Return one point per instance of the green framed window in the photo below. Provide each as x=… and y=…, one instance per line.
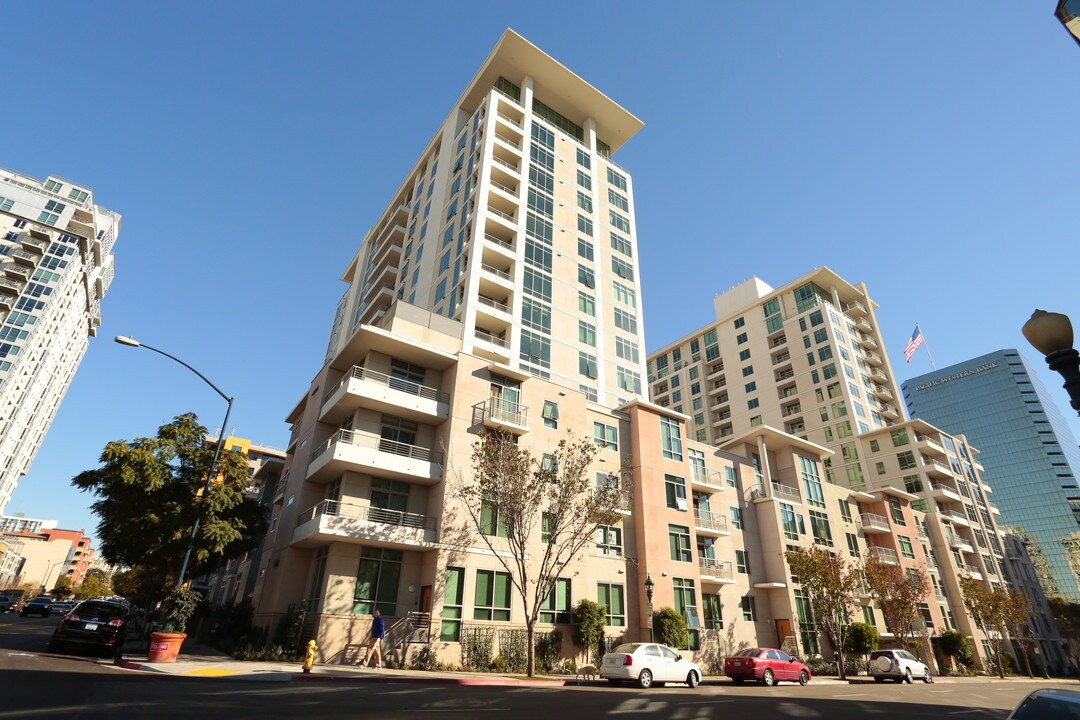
x=377, y=580
x=491, y=600
x=453, y=600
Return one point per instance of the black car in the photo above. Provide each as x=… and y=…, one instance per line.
x=97, y=624
x=38, y=606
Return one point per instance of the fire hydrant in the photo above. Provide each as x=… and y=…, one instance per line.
x=309, y=656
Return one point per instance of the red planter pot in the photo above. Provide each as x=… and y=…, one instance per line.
x=164, y=647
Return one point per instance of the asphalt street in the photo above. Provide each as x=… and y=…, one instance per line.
x=34, y=684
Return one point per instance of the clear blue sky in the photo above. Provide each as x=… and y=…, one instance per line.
x=249, y=146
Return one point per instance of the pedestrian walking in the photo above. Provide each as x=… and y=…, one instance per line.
x=378, y=632
x=601, y=648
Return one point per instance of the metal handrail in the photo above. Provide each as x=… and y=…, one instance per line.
x=885, y=554
x=495, y=271
x=351, y=437
x=707, y=519
x=493, y=303
x=336, y=508
x=503, y=215
x=505, y=188
x=497, y=408
x=873, y=520
x=394, y=383
x=508, y=141
x=510, y=165
x=703, y=475
x=505, y=243
x=488, y=337
x=716, y=568
x=786, y=492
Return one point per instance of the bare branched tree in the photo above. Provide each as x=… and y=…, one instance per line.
x=830, y=585
x=536, y=514
x=898, y=592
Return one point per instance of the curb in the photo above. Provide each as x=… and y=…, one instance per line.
x=405, y=680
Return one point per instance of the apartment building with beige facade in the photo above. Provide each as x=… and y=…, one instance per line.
x=808, y=358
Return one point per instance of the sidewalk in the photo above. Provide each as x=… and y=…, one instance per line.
x=202, y=661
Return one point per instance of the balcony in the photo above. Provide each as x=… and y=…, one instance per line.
x=863, y=324
x=366, y=388
x=710, y=523
x=625, y=502
x=785, y=375
x=956, y=516
x=973, y=571
x=777, y=492
x=708, y=479
x=350, y=450
x=883, y=393
x=871, y=524
x=500, y=244
x=867, y=341
x=946, y=492
x=780, y=358
x=959, y=543
x=500, y=414
x=935, y=468
x=888, y=411
x=927, y=444
x=491, y=346
x=334, y=521
x=792, y=409
x=854, y=309
x=18, y=272
x=878, y=374
x=885, y=555
x=873, y=358
x=713, y=570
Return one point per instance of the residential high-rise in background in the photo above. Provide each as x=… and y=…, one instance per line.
x=21, y=523
x=56, y=264
x=1031, y=457
x=1068, y=12
x=808, y=358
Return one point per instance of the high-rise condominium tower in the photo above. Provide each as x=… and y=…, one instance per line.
x=56, y=263
x=1029, y=452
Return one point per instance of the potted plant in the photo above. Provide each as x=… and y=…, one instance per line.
x=177, y=611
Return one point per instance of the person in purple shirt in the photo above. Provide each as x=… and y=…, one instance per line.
x=378, y=632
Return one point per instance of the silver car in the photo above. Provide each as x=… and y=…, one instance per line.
x=899, y=666
x=648, y=663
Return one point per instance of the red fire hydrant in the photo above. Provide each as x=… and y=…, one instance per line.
x=309, y=656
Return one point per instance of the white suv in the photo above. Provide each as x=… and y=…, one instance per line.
x=899, y=665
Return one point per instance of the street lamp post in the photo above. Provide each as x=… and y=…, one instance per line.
x=1052, y=335
x=45, y=580
x=131, y=342
x=648, y=606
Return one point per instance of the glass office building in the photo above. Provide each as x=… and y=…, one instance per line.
x=1030, y=456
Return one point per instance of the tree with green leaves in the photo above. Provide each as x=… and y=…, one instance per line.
x=1067, y=616
x=536, y=515
x=63, y=587
x=589, y=619
x=897, y=592
x=830, y=585
x=862, y=639
x=670, y=628
x=95, y=584
x=995, y=611
x=149, y=492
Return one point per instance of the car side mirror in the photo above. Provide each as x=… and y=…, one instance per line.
x=791, y=660
x=678, y=658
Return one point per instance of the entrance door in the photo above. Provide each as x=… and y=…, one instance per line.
x=783, y=631
x=425, y=599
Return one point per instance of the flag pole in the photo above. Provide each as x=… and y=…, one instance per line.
x=932, y=365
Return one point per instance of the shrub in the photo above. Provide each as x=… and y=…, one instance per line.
x=957, y=645
x=548, y=649
x=568, y=666
x=425, y=659
x=513, y=647
x=477, y=645
x=669, y=628
x=499, y=664
x=862, y=639
x=179, y=607
x=589, y=619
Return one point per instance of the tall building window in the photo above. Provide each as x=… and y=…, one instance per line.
x=377, y=581
x=606, y=436
x=679, y=543
x=749, y=610
x=556, y=606
x=453, y=599
x=675, y=491
x=491, y=600
x=611, y=596
x=671, y=439
x=811, y=482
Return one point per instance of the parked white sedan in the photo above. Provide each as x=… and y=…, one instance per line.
x=648, y=663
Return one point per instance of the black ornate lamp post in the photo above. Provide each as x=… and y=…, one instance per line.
x=131, y=342
x=648, y=607
x=1052, y=335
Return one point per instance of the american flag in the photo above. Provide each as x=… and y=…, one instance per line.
x=914, y=343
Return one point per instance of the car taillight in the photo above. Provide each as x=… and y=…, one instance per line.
x=628, y=660
x=751, y=662
x=116, y=623
x=76, y=618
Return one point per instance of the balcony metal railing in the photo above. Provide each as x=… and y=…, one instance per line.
x=351, y=437
x=854, y=307
x=793, y=409
x=878, y=522
x=495, y=271
x=509, y=141
x=503, y=410
x=716, y=568
x=507, y=118
x=394, y=383
x=885, y=555
x=337, y=508
x=505, y=188
x=493, y=303
x=699, y=474
x=499, y=241
x=711, y=520
x=489, y=338
x=505, y=163
x=972, y=570
x=785, y=492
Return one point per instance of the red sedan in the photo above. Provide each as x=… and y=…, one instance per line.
x=767, y=665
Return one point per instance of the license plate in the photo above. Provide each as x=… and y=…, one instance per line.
x=737, y=663
x=91, y=626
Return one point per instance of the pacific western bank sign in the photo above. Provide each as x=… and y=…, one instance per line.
x=958, y=376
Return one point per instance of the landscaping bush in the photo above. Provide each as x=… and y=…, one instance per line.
x=589, y=619
x=548, y=649
x=957, y=645
x=513, y=649
x=477, y=645
x=669, y=628
x=862, y=639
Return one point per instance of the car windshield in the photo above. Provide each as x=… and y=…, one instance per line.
x=102, y=610
x=628, y=648
x=1042, y=707
x=880, y=653
x=40, y=601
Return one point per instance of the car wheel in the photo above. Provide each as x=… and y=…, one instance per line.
x=907, y=676
x=879, y=679
x=927, y=677
x=613, y=682
x=692, y=680
x=52, y=647
x=768, y=678
x=736, y=681
x=645, y=679
x=804, y=677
